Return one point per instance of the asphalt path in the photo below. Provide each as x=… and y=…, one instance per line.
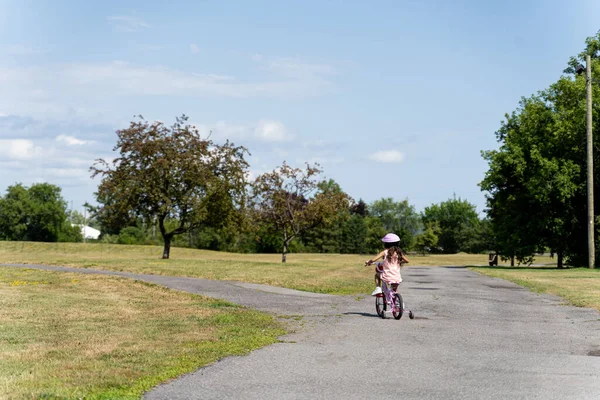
x=473, y=337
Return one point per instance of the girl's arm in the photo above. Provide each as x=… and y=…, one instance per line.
x=372, y=260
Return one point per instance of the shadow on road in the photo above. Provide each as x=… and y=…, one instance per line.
x=362, y=314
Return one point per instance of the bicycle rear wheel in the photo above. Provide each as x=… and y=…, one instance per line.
x=397, y=308
x=380, y=305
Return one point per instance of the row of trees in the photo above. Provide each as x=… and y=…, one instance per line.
x=170, y=186
x=197, y=192
x=39, y=213
x=536, y=181
x=354, y=230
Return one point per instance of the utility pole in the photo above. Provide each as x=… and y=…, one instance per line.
x=84, y=223
x=590, y=162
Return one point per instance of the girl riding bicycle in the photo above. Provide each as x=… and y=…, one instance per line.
x=393, y=259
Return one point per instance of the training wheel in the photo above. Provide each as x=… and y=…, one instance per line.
x=411, y=315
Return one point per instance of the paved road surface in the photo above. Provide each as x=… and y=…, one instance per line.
x=473, y=337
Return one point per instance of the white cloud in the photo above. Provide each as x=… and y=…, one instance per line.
x=221, y=131
x=18, y=149
x=271, y=131
x=55, y=166
x=71, y=140
x=263, y=130
x=76, y=173
x=121, y=78
x=387, y=156
x=32, y=152
x=123, y=23
x=57, y=89
x=43, y=131
x=194, y=49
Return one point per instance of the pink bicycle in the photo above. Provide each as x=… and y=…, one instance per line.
x=392, y=300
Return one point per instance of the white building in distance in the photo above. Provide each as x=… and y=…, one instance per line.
x=88, y=232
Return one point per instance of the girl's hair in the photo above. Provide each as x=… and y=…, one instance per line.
x=393, y=249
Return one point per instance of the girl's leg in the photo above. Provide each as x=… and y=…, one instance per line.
x=388, y=294
x=377, y=285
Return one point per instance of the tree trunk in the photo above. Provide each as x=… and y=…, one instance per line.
x=559, y=263
x=285, y=246
x=284, y=252
x=166, y=236
x=167, y=248
x=512, y=261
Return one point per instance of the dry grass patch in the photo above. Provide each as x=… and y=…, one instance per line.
x=580, y=286
x=324, y=273
x=66, y=335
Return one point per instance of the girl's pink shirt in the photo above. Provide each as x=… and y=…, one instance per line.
x=391, y=269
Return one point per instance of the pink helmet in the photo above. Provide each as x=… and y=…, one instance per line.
x=391, y=238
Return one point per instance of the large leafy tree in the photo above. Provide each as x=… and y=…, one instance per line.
x=532, y=181
x=399, y=217
x=328, y=237
x=536, y=181
x=293, y=201
x=457, y=220
x=37, y=213
x=171, y=174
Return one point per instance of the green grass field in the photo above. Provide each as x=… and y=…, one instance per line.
x=72, y=336
x=578, y=286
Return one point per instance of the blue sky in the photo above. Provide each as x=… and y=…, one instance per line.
x=392, y=98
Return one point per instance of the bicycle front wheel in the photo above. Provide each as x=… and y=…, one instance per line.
x=397, y=309
x=380, y=305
